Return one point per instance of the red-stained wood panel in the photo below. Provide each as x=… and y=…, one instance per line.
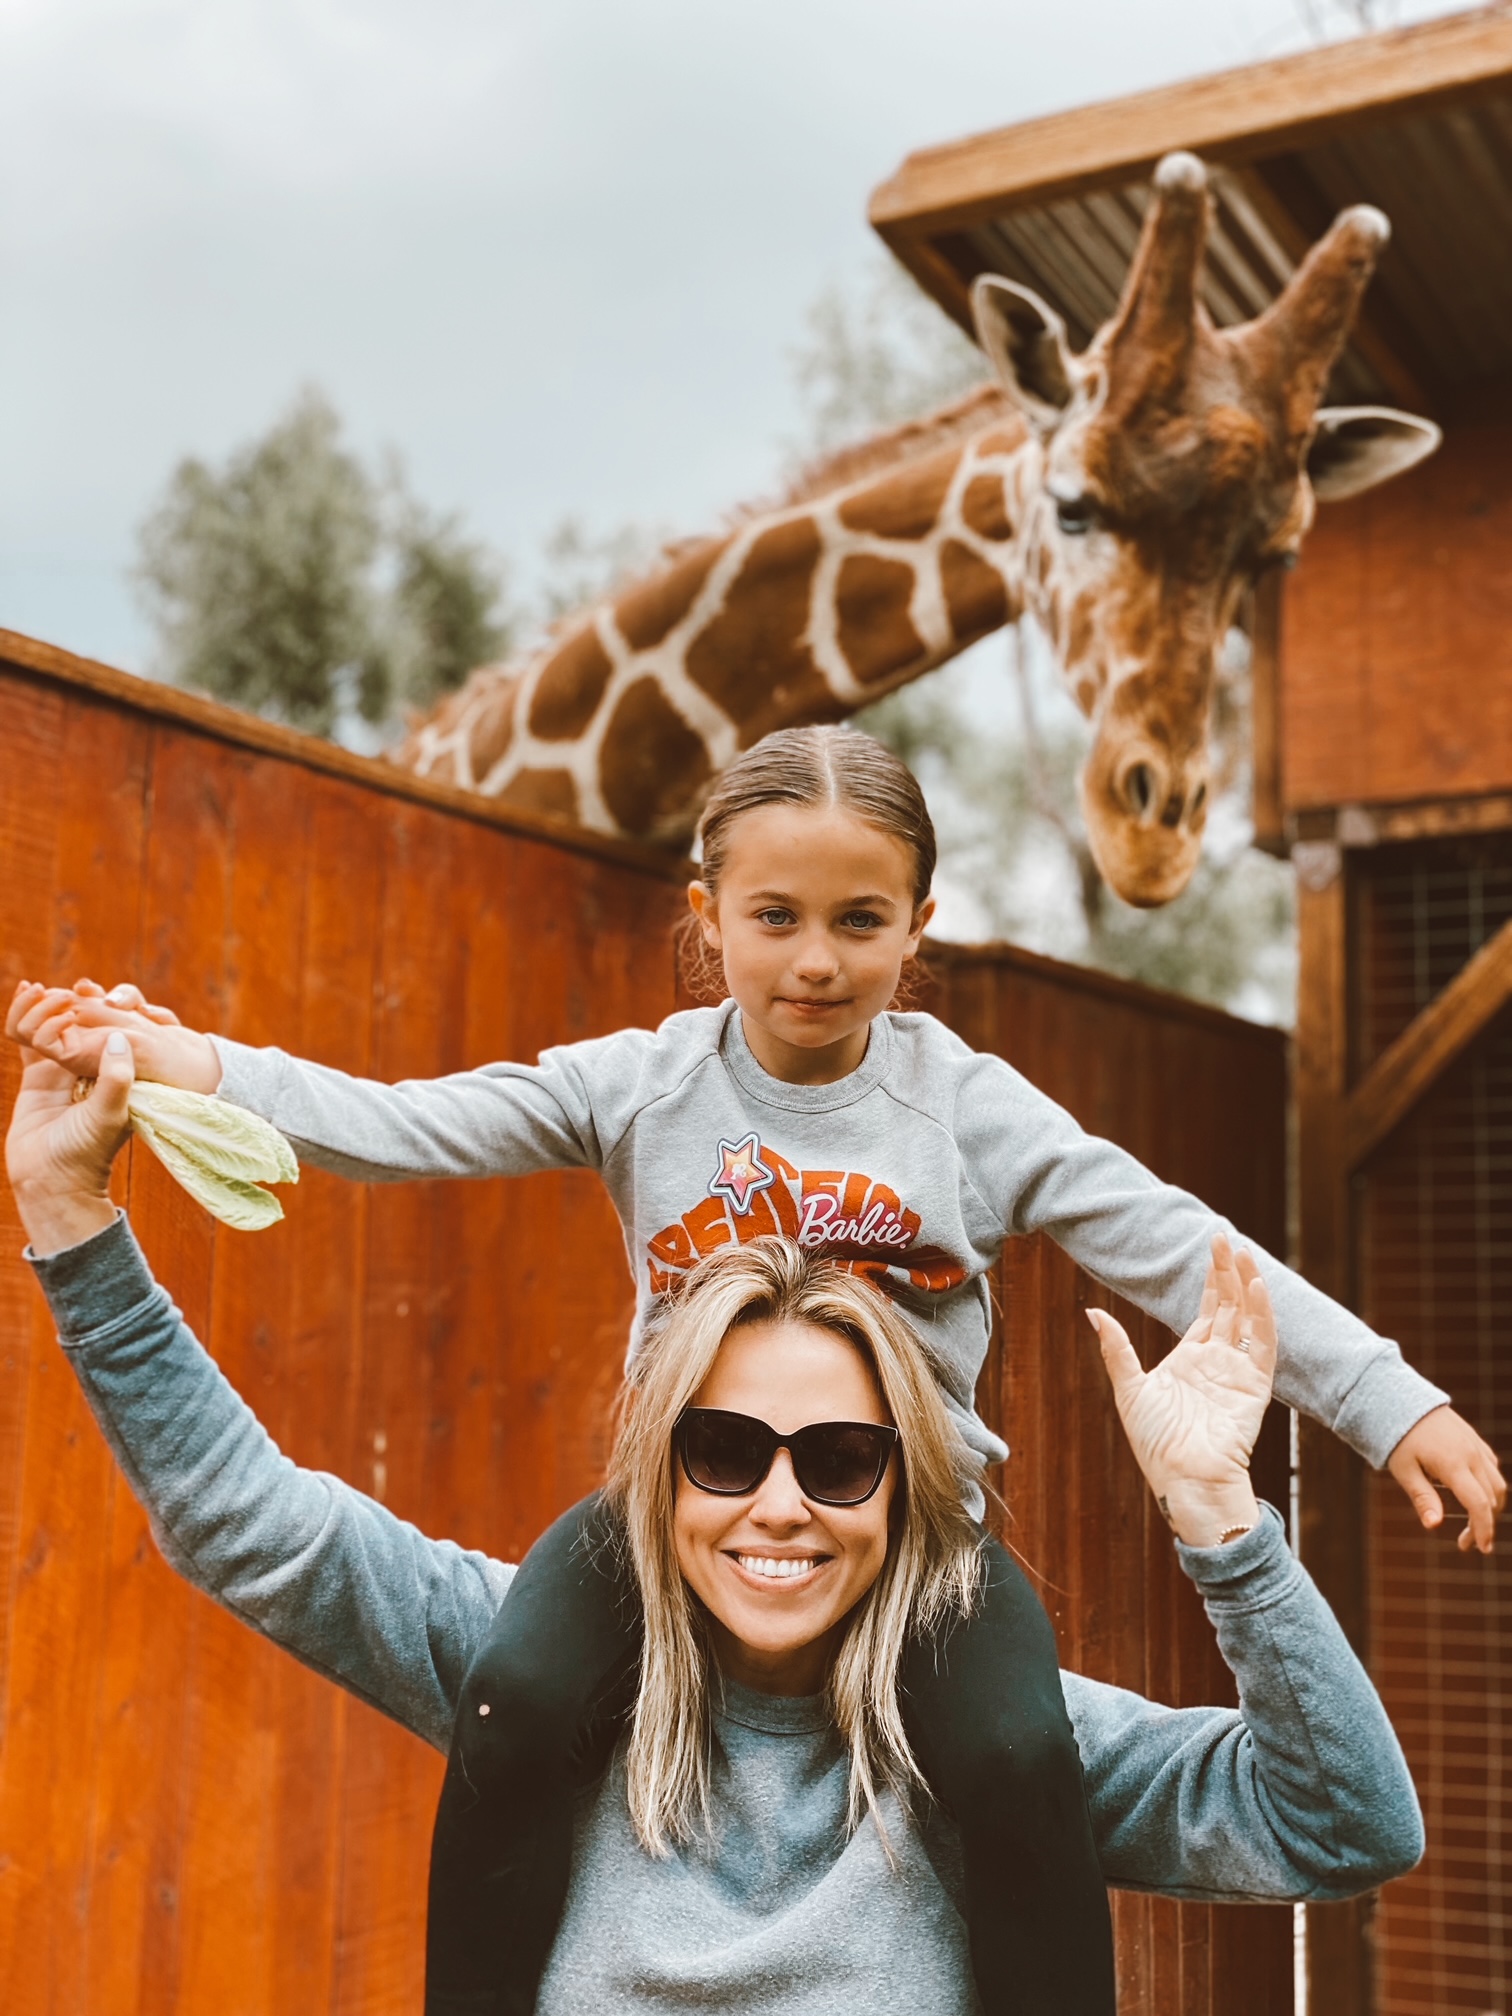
x=1201, y=1100
x=189, y=1822
x=1396, y=647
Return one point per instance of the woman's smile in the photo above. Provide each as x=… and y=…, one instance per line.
x=787, y=1571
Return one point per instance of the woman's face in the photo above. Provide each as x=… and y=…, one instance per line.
x=780, y=1635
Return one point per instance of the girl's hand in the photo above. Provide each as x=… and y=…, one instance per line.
x=1444, y=1449
x=1192, y=1421
x=60, y=1148
x=68, y=1026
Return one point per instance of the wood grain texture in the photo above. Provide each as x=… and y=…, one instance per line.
x=1396, y=653
x=1404, y=1074
x=1235, y=115
x=189, y=1822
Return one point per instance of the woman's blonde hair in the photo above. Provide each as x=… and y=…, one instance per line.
x=932, y=1568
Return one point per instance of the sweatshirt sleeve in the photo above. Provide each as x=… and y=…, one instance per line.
x=307, y=1561
x=502, y=1120
x=1301, y=1792
x=1038, y=1171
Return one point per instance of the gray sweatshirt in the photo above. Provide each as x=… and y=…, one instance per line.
x=914, y=1169
x=1301, y=1792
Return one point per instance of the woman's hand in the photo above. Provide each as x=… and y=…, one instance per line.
x=1193, y=1419
x=60, y=1148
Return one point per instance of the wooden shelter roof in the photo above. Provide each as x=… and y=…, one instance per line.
x=1417, y=121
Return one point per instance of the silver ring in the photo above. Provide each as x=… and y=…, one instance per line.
x=1243, y=1343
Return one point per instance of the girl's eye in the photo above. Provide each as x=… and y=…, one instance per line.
x=776, y=919
x=862, y=920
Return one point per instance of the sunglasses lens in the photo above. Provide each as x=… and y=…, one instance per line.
x=841, y=1462
x=726, y=1452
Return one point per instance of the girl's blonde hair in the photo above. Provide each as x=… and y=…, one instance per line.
x=931, y=1572
x=806, y=766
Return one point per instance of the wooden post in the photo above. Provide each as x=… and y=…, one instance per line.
x=1332, y=1482
x=1265, y=713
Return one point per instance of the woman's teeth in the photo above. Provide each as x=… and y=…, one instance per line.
x=776, y=1570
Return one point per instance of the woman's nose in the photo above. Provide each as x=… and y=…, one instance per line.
x=779, y=1502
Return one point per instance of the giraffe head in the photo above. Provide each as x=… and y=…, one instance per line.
x=1176, y=461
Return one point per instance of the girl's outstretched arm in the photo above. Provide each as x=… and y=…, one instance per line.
x=502, y=1120
x=1039, y=1171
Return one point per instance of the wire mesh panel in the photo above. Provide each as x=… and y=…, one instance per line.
x=1433, y=1217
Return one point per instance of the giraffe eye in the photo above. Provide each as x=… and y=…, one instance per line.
x=1075, y=515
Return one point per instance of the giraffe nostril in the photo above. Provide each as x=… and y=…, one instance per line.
x=1139, y=786
x=1199, y=799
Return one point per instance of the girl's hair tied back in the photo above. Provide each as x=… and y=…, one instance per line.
x=816, y=766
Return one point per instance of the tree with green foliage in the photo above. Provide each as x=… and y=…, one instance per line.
x=294, y=582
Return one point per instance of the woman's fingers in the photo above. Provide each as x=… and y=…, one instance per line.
x=111, y=1092
x=1119, y=1355
x=1257, y=1321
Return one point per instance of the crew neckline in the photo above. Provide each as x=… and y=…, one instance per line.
x=760, y=1083
x=770, y=1714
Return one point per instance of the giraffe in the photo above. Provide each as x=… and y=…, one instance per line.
x=1125, y=497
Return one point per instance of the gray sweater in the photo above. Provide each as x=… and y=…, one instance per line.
x=1302, y=1792
x=915, y=1169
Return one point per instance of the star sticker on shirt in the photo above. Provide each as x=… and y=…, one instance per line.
x=741, y=1173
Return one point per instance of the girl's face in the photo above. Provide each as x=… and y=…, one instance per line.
x=778, y=1631
x=813, y=921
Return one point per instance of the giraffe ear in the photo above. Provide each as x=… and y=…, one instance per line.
x=1025, y=341
x=1356, y=447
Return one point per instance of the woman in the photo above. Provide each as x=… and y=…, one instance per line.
x=785, y=1482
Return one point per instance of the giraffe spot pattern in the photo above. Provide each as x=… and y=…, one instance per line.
x=904, y=504
x=984, y=510
x=654, y=766
x=648, y=611
x=757, y=641
x=570, y=687
x=493, y=727
x=975, y=598
x=550, y=791
x=876, y=633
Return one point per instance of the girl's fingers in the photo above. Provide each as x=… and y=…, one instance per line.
x=1119, y=1355
x=1476, y=1499
x=26, y=993
x=41, y=1007
x=1418, y=1485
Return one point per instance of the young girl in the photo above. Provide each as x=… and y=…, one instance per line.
x=804, y=1105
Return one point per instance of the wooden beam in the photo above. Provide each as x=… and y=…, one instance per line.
x=1332, y=1476
x=1267, y=810
x=1237, y=115
x=1427, y=1047
x=1429, y=819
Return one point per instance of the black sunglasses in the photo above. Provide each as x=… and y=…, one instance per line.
x=835, y=1462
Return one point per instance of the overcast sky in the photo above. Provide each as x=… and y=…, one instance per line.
x=556, y=252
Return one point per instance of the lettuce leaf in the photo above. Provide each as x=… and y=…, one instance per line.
x=220, y=1153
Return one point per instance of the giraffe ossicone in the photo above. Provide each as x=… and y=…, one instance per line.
x=1125, y=496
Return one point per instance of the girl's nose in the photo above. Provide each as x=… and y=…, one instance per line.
x=815, y=958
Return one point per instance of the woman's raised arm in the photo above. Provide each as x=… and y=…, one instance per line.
x=303, y=1558
x=1302, y=1792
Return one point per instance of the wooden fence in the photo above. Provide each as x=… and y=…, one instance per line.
x=192, y=1825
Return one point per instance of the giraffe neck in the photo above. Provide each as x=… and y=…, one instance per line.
x=804, y=613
